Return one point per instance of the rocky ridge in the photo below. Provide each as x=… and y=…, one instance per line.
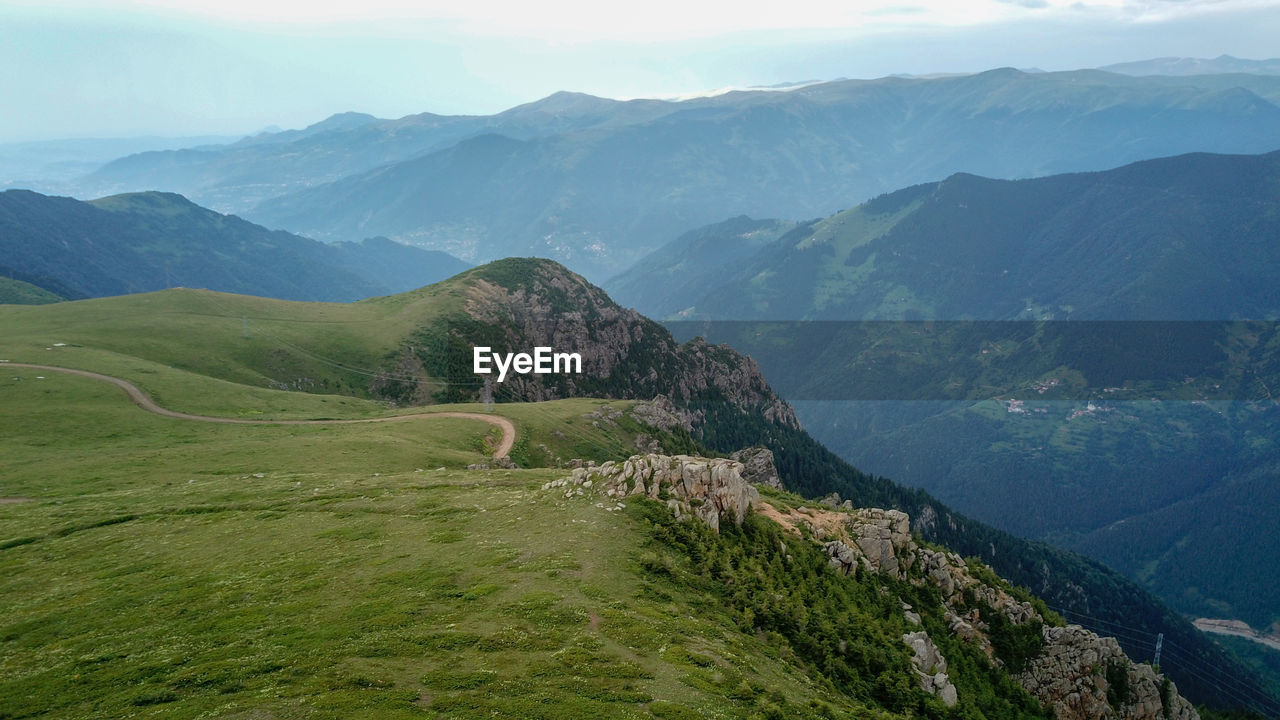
x=516, y=304
x=1078, y=674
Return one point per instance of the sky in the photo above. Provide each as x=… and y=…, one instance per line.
x=120, y=68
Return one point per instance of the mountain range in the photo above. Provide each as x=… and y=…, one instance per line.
x=597, y=183
x=1124, y=433
x=1181, y=238
x=966, y=289
x=1181, y=66
x=149, y=241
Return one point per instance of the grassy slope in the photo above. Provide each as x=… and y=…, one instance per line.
x=18, y=292
x=150, y=570
x=152, y=339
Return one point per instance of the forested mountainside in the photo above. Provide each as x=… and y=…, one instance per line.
x=149, y=241
x=1094, y=382
x=1190, y=237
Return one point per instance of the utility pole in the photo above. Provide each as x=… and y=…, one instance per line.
x=486, y=395
x=1159, y=644
x=244, y=327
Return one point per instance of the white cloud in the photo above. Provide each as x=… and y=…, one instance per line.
x=653, y=20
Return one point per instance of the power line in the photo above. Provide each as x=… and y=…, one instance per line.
x=1181, y=657
x=1265, y=707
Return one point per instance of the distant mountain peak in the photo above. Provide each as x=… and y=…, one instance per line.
x=1184, y=66
x=563, y=101
x=148, y=201
x=341, y=121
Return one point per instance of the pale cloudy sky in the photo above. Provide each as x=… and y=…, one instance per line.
x=130, y=67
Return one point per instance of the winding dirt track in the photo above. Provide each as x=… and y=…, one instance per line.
x=142, y=400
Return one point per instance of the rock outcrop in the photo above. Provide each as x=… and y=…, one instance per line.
x=1076, y=673
x=710, y=489
x=930, y=667
x=517, y=304
x=663, y=414
x=758, y=467
x=1081, y=675
x=879, y=539
x=1069, y=675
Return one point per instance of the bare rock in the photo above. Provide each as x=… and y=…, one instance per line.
x=1072, y=674
x=710, y=489
x=758, y=467
x=648, y=444
x=930, y=667
x=661, y=413
x=884, y=538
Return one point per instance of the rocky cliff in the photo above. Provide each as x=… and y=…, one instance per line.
x=1072, y=671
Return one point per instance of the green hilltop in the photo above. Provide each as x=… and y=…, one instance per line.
x=17, y=292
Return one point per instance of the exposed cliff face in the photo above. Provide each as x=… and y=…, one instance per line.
x=930, y=667
x=1073, y=671
x=515, y=305
x=1085, y=676
x=758, y=467
x=1077, y=673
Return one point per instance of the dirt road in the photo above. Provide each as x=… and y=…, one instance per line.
x=1238, y=629
x=142, y=400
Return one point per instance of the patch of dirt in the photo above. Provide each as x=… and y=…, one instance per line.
x=777, y=516
x=824, y=523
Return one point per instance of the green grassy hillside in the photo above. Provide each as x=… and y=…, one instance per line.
x=174, y=568
x=271, y=344
x=166, y=568
x=241, y=357
x=1176, y=238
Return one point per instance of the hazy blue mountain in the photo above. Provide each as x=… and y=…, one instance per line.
x=1048, y=430
x=598, y=198
x=1192, y=237
x=338, y=122
x=677, y=275
x=54, y=165
x=235, y=177
x=1180, y=66
x=149, y=241
x=597, y=183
